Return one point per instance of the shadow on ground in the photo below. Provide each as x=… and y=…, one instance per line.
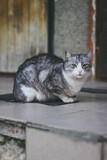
x=10, y=98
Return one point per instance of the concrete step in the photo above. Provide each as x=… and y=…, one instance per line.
x=75, y=131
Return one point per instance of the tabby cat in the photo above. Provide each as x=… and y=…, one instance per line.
x=47, y=77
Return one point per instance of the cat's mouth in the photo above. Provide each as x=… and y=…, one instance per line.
x=79, y=76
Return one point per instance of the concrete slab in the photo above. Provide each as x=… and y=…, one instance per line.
x=86, y=119
x=51, y=146
x=96, y=84
x=105, y=151
x=6, y=85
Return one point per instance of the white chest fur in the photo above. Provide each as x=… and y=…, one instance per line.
x=74, y=84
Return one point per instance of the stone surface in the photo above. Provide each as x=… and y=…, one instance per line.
x=11, y=151
x=105, y=151
x=13, y=130
x=95, y=85
x=71, y=26
x=6, y=85
x=84, y=122
x=88, y=116
x=1, y=138
x=46, y=145
x=91, y=110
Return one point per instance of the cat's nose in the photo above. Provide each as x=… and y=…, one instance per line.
x=80, y=71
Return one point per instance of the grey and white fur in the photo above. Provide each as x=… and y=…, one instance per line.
x=46, y=77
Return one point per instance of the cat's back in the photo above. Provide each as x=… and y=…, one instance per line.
x=41, y=62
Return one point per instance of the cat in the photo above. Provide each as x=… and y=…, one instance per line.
x=46, y=77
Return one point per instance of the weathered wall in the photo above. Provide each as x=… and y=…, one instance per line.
x=71, y=26
x=23, y=31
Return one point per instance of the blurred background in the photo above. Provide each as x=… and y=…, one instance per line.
x=31, y=27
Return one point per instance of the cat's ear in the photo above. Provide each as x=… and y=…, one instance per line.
x=67, y=55
x=89, y=54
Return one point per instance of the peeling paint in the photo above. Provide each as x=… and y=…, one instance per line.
x=94, y=37
x=92, y=33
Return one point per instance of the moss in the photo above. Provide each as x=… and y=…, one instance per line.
x=19, y=143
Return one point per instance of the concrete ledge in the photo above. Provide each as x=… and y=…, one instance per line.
x=86, y=120
x=52, y=146
x=59, y=132
x=75, y=135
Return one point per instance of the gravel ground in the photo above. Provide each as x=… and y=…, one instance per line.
x=11, y=150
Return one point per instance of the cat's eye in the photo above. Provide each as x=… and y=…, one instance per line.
x=85, y=66
x=74, y=65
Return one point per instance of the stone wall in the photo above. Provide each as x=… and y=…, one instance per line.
x=12, y=149
x=71, y=26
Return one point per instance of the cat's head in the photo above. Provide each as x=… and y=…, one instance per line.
x=78, y=65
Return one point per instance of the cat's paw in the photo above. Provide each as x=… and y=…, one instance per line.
x=68, y=100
